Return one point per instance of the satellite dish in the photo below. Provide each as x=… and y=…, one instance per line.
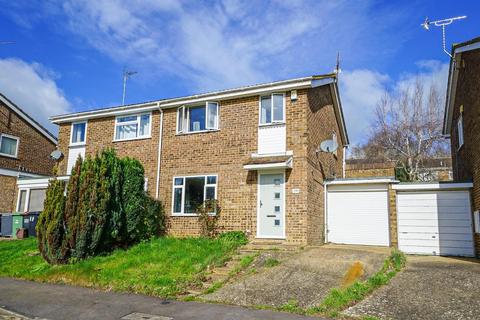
x=56, y=155
x=329, y=146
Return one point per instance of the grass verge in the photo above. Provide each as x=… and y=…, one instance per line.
x=161, y=267
x=339, y=299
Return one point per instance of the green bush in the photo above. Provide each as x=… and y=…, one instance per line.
x=50, y=230
x=208, y=216
x=234, y=236
x=106, y=207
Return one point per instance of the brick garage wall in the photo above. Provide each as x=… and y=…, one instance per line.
x=34, y=148
x=392, y=212
x=7, y=193
x=363, y=168
x=320, y=166
x=466, y=160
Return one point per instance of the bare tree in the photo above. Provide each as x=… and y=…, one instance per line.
x=408, y=129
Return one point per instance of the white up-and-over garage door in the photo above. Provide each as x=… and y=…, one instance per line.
x=358, y=214
x=434, y=222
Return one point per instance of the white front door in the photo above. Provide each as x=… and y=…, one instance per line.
x=271, y=205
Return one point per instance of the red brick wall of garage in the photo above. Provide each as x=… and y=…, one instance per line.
x=466, y=160
x=34, y=148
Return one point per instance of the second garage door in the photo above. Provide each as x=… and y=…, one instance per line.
x=435, y=223
x=358, y=214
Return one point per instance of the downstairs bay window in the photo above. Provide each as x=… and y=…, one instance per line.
x=197, y=118
x=190, y=192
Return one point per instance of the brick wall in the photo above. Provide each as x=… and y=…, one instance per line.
x=392, y=212
x=466, y=160
x=320, y=166
x=7, y=193
x=223, y=152
x=100, y=134
x=33, y=149
x=363, y=168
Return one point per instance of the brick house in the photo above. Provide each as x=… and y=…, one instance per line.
x=462, y=118
x=254, y=148
x=25, y=147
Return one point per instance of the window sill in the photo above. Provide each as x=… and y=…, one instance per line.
x=132, y=139
x=8, y=155
x=274, y=124
x=194, y=132
x=193, y=215
x=83, y=144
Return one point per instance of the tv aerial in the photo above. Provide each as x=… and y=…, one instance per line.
x=441, y=23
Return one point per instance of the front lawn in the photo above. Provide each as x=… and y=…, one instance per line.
x=162, y=267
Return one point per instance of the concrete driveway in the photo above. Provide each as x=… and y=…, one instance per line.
x=429, y=288
x=305, y=277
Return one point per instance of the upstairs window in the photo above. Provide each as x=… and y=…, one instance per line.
x=272, y=108
x=8, y=145
x=197, y=118
x=460, y=131
x=79, y=132
x=190, y=192
x=132, y=127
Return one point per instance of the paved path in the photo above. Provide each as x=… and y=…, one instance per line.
x=53, y=302
x=430, y=288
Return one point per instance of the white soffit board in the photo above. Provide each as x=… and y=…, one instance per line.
x=435, y=223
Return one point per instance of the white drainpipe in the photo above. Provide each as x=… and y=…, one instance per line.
x=157, y=190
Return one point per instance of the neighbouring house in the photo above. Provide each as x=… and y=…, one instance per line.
x=462, y=118
x=25, y=147
x=433, y=169
x=254, y=148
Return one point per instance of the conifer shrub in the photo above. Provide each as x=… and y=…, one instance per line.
x=50, y=226
x=105, y=207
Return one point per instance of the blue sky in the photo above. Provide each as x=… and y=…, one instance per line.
x=69, y=55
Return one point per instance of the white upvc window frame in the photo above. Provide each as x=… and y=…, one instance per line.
x=137, y=122
x=16, y=148
x=71, y=134
x=460, y=137
x=272, y=121
x=182, y=187
x=183, y=118
x=27, y=197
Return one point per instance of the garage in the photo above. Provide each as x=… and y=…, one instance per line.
x=357, y=212
x=435, y=219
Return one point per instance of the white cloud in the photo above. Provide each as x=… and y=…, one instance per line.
x=361, y=90
x=32, y=87
x=230, y=43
